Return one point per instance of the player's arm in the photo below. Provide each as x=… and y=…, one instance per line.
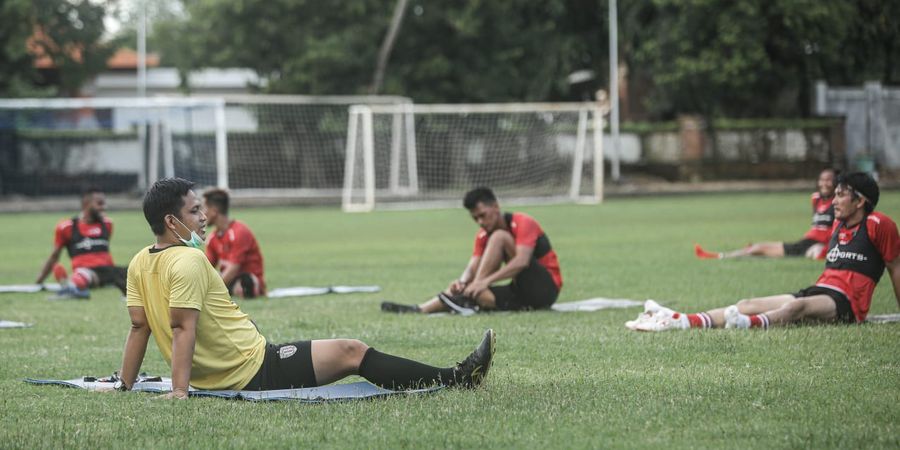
x=135, y=346
x=509, y=270
x=48, y=265
x=467, y=275
x=184, y=335
x=893, y=268
x=230, y=271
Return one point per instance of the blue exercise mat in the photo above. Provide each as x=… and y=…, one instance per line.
x=331, y=393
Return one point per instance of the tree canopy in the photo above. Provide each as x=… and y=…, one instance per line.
x=714, y=57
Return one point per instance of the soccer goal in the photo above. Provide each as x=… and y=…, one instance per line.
x=417, y=156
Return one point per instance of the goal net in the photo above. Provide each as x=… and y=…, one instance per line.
x=59, y=146
x=255, y=145
x=414, y=156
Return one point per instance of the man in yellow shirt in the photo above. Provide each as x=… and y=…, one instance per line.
x=175, y=294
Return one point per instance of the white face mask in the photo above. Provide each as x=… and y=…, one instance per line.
x=195, y=241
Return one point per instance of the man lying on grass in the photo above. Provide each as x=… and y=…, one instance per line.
x=515, y=239
x=176, y=294
x=863, y=243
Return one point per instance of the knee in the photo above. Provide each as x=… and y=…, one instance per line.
x=743, y=304
x=500, y=237
x=352, y=349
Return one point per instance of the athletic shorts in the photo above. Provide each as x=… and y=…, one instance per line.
x=532, y=288
x=285, y=366
x=115, y=275
x=798, y=248
x=844, y=311
x=250, y=284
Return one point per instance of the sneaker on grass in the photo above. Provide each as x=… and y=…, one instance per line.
x=734, y=318
x=459, y=304
x=399, y=308
x=471, y=371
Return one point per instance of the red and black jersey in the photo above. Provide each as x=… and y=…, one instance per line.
x=527, y=233
x=236, y=245
x=822, y=219
x=86, y=243
x=856, y=259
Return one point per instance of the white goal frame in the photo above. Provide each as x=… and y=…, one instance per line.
x=361, y=144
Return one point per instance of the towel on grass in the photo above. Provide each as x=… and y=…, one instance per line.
x=303, y=291
x=28, y=288
x=11, y=324
x=331, y=393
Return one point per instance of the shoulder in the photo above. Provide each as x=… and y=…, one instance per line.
x=519, y=219
x=186, y=259
x=241, y=228
x=64, y=224
x=880, y=224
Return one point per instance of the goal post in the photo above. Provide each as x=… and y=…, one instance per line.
x=413, y=156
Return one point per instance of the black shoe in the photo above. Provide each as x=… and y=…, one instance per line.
x=459, y=304
x=399, y=308
x=471, y=372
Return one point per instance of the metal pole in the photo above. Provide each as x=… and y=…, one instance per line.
x=142, y=51
x=614, y=87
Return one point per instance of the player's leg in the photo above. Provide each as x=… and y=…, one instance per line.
x=246, y=285
x=766, y=249
x=815, y=308
x=658, y=318
x=334, y=359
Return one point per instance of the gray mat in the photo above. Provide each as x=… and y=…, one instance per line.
x=28, y=288
x=595, y=304
x=11, y=324
x=304, y=291
x=331, y=393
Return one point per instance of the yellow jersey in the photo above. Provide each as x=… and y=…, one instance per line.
x=229, y=350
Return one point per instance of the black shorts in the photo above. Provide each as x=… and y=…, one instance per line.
x=285, y=366
x=532, y=288
x=115, y=275
x=798, y=248
x=841, y=303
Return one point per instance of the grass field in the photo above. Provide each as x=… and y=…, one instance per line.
x=575, y=380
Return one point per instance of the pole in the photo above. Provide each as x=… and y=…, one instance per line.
x=614, y=88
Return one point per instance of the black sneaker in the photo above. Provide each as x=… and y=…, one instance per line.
x=459, y=304
x=399, y=308
x=471, y=372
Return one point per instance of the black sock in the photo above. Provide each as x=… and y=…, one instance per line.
x=394, y=372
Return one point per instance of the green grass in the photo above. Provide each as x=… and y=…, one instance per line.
x=571, y=380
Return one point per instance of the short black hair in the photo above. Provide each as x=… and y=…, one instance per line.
x=218, y=198
x=164, y=198
x=91, y=190
x=861, y=183
x=834, y=171
x=479, y=195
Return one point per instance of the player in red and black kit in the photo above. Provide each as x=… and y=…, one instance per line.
x=86, y=238
x=815, y=240
x=515, y=239
x=863, y=243
x=232, y=249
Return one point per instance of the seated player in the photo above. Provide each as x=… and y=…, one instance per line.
x=515, y=239
x=86, y=238
x=233, y=249
x=863, y=243
x=175, y=294
x=813, y=243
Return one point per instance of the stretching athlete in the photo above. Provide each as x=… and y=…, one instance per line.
x=515, y=239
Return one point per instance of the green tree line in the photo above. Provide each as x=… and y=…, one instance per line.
x=750, y=58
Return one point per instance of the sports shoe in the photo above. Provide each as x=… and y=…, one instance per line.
x=471, y=372
x=71, y=292
x=663, y=319
x=399, y=308
x=703, y=254
x=734, y=318
x=459, y=304
x=650, y=309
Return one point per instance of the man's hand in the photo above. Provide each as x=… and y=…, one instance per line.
x=177, y=393
x=457, y=287
x=475, y=288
